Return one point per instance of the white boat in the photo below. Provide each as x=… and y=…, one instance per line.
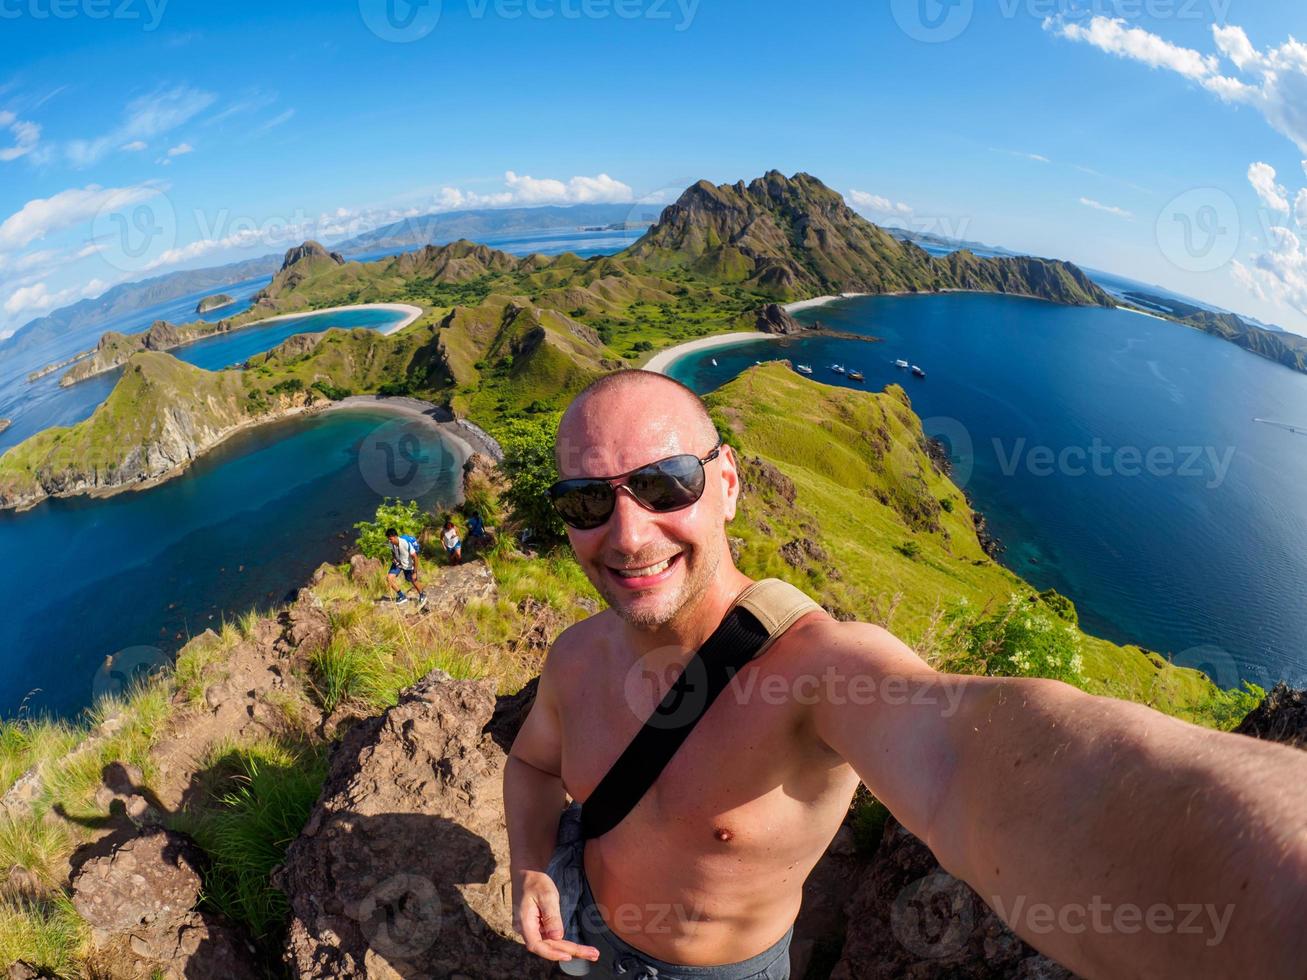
x=714, y=362
x=855, y=375
x=918, y=372
x=901, y=364
x=837, y=368
x=803, y=368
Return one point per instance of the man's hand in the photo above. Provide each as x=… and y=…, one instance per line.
x=537, y=919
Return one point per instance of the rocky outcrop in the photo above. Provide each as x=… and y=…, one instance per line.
x=139, y=902
x=774, y=318
x=1281, y=717
x=161, y=336
x=210, y=303
x=402, y=869
x=794, y=237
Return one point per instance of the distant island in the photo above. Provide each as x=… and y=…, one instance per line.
x=511, y=334
x=210, y=303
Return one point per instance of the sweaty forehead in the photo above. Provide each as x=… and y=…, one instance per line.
x=612, y=431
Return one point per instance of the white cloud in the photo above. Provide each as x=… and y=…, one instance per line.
x=875, y=202
x=526, y=190
x=181, y=149
x=1274, y=82
x=1089, y=202
x=26, y=136
x=135, y=146
x=37, y=298
x=1262, y=177
x=43, y=216
x=275, y=121
x=144, y=118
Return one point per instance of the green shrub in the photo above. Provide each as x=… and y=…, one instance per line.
x=331, y=391
x=1063, y=607
x=406, y=518
x=529, y=463
x=1023, y=639
x=946, y=503
x=909, y=549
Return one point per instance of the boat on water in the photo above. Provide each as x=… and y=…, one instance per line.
x=855, y=375
x=714, y=362
x=918, y=372
x=803, y=368
x=900, y=363
x=837, y=368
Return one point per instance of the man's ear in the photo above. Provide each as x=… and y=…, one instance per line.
x=730, y=483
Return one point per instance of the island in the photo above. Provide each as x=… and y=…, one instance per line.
x=210, y=303
x=512, y=334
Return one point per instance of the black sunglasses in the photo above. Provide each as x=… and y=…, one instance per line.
x=669, y=484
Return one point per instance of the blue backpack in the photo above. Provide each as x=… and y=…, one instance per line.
x=413, y=543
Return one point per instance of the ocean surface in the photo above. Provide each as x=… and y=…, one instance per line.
x=1116, y=455
x=143, y=571
x=133, y=576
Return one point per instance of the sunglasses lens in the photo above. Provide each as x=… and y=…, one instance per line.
x=584, y=504
x=669, y=484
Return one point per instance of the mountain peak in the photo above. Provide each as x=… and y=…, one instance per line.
x=309, y=250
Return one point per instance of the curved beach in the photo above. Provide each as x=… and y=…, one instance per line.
x=412, y=313
x=661, y=361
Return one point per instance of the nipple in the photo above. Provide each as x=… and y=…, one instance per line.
x=724, y=835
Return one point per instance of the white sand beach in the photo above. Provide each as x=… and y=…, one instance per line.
x=1128, y=309
x=661, y=361
x=413, y=313
x=805, y=304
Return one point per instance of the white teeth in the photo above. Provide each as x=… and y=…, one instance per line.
x=642, y=572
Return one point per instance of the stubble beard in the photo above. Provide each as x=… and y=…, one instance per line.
x=698, y=577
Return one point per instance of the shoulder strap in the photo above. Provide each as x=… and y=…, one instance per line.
x=759, y=615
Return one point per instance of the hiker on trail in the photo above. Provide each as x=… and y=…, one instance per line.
x=453, y=546
x=1073, y=816
x=476, y=527
x=404, y=553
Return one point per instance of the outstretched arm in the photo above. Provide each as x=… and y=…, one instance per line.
x=1117, y=840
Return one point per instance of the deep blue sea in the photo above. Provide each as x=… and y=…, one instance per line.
x=1114, y=454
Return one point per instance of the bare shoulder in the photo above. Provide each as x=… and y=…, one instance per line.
x=574, y=648
x=819, y=639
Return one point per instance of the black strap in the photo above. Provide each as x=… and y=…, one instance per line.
x=732, y=645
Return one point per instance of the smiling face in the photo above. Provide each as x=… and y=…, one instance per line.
x=650, y=567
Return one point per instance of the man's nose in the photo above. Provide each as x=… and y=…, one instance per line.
x=630, y=526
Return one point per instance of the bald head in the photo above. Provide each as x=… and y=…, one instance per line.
x=629, y=418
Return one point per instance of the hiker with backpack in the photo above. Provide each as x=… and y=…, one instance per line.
x=404, y=551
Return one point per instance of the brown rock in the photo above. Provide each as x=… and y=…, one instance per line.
x=150, y=879
x=757, y=476
x=774, y=319
x=1281, y=717
x=362, y=569
x=402, y=869
x=197, y=946
x=910, y=918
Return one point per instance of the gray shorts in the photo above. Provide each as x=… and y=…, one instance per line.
x=620, y=959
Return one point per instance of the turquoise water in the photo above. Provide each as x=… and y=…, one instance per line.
x=1051, y=413
x=43, y=403
x=84, y=578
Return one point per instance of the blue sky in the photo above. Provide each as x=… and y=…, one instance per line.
x=1136, y=136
